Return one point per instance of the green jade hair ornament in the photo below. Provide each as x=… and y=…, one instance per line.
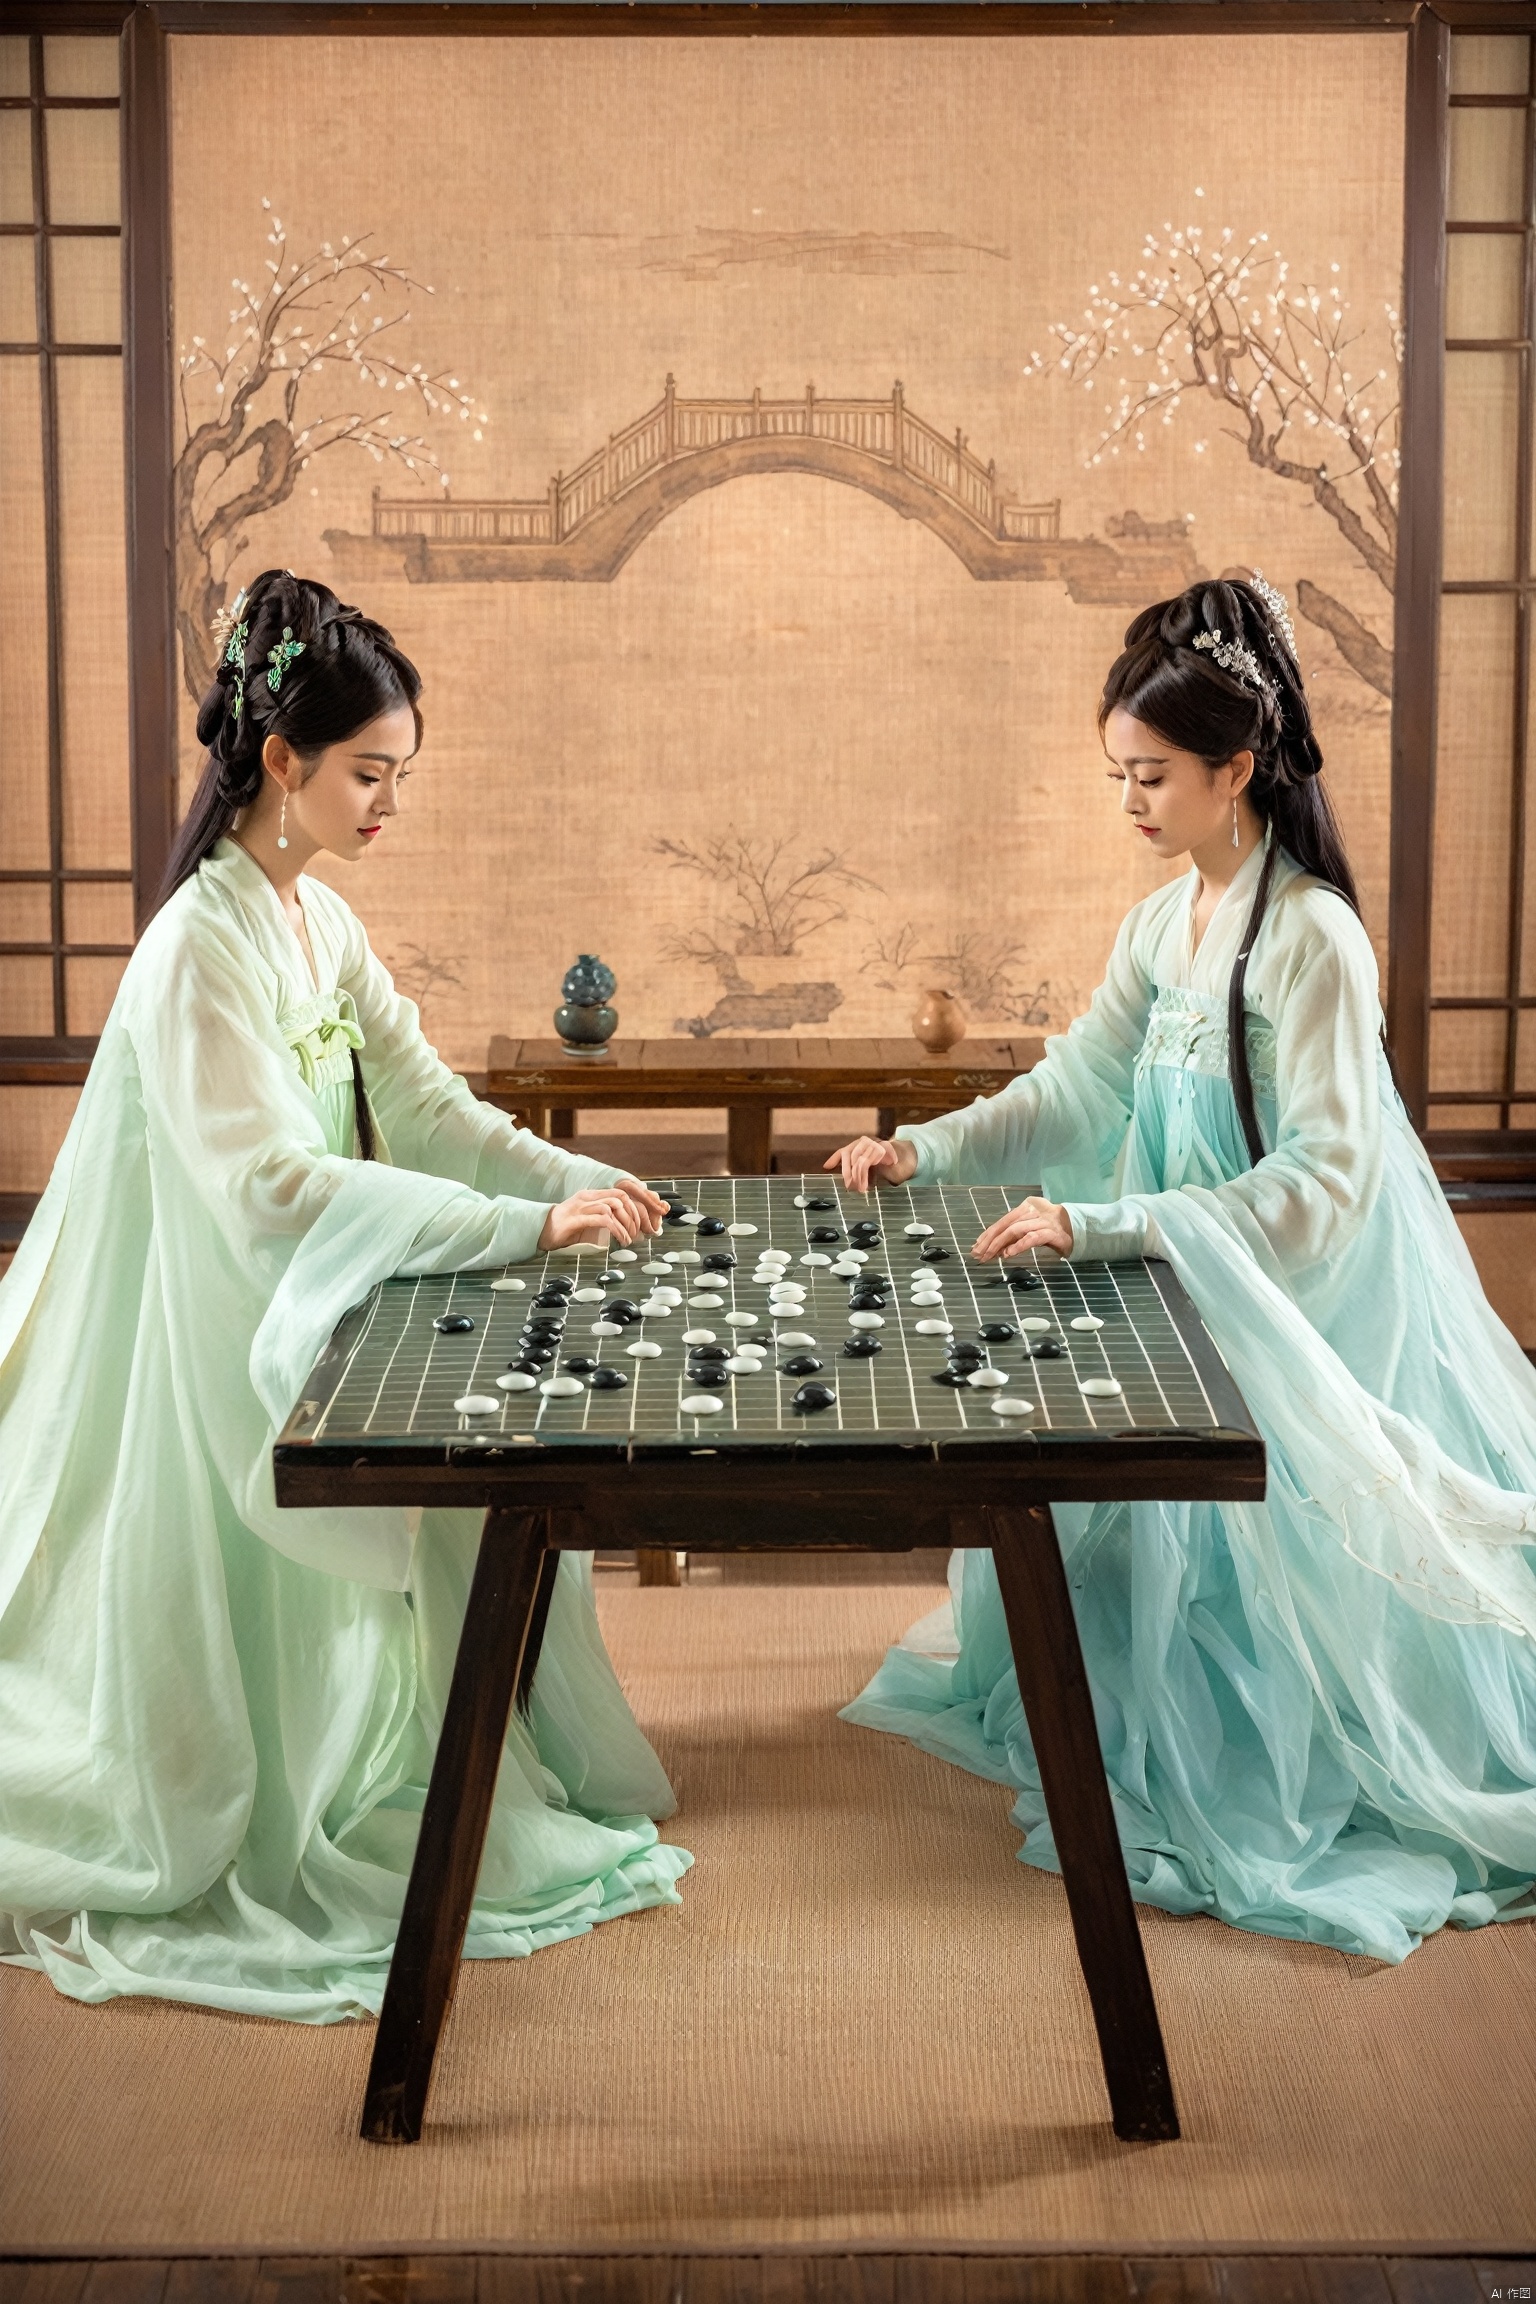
x=584, y=1020
x=282, y=656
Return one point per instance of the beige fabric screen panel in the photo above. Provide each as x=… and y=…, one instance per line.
x=776, y=686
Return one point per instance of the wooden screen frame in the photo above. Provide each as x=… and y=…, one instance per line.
x=149, y=360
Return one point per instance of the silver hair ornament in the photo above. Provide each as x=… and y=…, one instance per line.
x=1280, y=611
x=1234, y=657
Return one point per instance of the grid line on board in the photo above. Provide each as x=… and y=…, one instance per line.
x=401, y=1375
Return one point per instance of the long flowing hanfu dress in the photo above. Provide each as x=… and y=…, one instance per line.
x=1318, y=1715
x=217, y=1718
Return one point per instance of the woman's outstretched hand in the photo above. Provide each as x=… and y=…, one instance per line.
x=874, y=1160
x=1033, y=1224
x=623, y=1210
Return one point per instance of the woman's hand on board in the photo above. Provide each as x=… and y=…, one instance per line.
x=875, y=1160
x=623, y=1211
x=1033, y=1224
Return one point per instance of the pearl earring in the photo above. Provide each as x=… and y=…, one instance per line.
x=1235, y=841
x=282, y=824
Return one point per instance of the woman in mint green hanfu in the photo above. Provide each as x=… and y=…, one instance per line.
x=217, y=1718
x=1318, y=1715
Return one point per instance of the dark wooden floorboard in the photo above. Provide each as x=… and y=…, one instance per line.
x=827, y=2277
x=1261, y=2280
x=1172, y=2280
x=1348, y=2280
x=1512, y=2281
x=1432, y=2280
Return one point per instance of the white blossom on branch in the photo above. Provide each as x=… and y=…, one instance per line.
x=312, y=357
x=1224, y=321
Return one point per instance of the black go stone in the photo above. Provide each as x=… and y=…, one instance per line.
x=868, y=1300
x=610, y=1279
x=953, y=1377
x=700, y=1355
x=453, y=1323
x=1044, y=1348
x=932, y=1253
x=820, y=1204
x=862, y=1347
x=864, y=1234
x=1025, y=1280
x=965, y=1356
x=823, y=1233
x=999, y=1332
x=607, y=1379
x=710, y=1377
x=582, y=1364
x=720, y=1261
x=621, y=1312
x=802, y=1364
x=550, y=1296
x=811, y=1398
x=531, y=1363
x=711, y=1228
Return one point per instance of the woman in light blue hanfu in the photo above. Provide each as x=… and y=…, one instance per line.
x=1318, y=1715
x=217, y=1718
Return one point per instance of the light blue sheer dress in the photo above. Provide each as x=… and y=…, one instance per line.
x=1318, y=1715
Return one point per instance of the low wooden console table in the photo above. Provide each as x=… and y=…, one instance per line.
x=751, y=1078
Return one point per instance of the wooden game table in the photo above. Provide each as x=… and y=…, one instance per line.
x=898, y=1461
x=540, y=1081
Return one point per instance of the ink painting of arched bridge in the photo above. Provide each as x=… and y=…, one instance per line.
x=589, y=522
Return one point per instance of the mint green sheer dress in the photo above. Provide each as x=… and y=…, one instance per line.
x=217, y=1718
x=1318, y=1715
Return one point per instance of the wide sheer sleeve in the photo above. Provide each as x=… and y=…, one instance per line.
x=429, y=1118
x=1061, y=1125
x=1309, y=1195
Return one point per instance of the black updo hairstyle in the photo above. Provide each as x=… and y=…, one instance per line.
x=1198, y=705
x=349, y=671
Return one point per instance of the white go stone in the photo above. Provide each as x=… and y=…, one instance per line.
x=853, y=1256
x=511, y=1286
x=684, y=1256
x=706, y=1301
x=934, y=1328
x=623, y=1256
x=586, y=1295
x=518, y=1380
x=866, y=1320
x=795, y=1336
x=607, y=1328
x=1100, y=1387
x=787, y=1292
x=480, y=1404
x=741, y=1319
x=749, y=1364
x=1088, y=1321
x=691, y=1216
x=658, y=1269
x=696, y=1336
x=750, y=1348
x=667, y=1295
x=1004, y=1404
x=918, y=1231
x=651, y=1310
x=1035, y=1326
x=741, y=1231
x=773, y=1255
x=701, y=1404
x=640, y=1351
x=559, y=1387
x=845, y=1271
x=812, y=1256
x=988, y=1379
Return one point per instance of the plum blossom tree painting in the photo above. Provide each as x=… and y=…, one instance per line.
x=301, y=349
x=1310, y=394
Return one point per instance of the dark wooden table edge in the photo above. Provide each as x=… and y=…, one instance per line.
x=1118, y=2250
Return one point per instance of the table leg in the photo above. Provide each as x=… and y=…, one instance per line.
x=422, y=1974
x=657, y=1567
x=1059, y=1708
x=549, y=1569
x=749, y=1138
x=562, y=1121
